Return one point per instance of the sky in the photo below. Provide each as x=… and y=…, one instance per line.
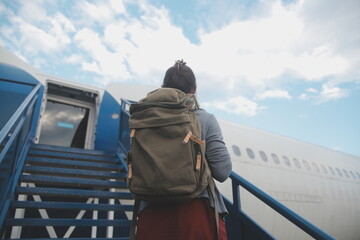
x=289, y=67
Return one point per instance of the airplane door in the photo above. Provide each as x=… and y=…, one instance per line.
x=68, y=118
x=64, y=125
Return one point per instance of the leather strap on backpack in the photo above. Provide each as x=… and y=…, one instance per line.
x=134, y=220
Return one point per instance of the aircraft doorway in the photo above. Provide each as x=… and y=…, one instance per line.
x=64, y=125
x=68, y=118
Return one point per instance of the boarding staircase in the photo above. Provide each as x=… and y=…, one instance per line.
x=68, y=192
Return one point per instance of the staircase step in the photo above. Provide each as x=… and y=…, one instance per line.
x=69, y=181
x=72, y=205
x=77, y=156
x=71, y=150
x=122, y=238
x=78, y=193
x=73, y=172
x=72, y=163
x=66, y=222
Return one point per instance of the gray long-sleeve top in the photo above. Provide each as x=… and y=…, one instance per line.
x=216, y=154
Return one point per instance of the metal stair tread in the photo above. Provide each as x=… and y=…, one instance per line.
x=65, y=222
x=71, y=172
x=64, y=162
x=72, y=205
x=121, y=238
x=77, y=156
x=72, y=181
x=71, y=150
x=79, y=193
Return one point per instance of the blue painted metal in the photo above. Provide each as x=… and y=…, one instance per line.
x=17, y=75
x=107, y=129
x=72, y=163
x=63, y=155
x=77, y=193
x=11, y=96
x=71, y=181
x=15, y=138
x=72, y=150
x=96, y=167
x=66, y=222
x=302, y=223
x=124, y=134
x=71, y=205
x=122, y=160
x=240, y=226
x=115, y=238
x=15, y=85
x=74, y=172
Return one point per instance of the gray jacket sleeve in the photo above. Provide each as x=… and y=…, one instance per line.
x=216, y=152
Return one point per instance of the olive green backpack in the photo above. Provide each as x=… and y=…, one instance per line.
x=167, y=157
x=166, y=162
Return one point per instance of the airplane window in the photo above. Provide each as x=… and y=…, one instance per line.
x=275, y=158
x=324, y=169
x=306, y=164
x=297, y=163
x=286, y=160
x=236, y=150
x=339, y=172
x=250, y=153
x=352, y=174
x=315, y=167
x=263, y=156
x=332, y=170
x=346, y=173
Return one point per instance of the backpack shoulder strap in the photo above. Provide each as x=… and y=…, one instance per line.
x=134, y=220
x=216, y=207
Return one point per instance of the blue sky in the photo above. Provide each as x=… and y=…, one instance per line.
x=287, y=67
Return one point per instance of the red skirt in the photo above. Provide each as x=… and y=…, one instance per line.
x=192, y=220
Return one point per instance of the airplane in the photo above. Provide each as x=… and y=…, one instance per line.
x=320, y=184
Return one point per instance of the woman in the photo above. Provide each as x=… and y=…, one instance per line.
x=193, y=219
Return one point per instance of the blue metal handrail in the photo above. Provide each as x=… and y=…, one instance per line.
x=124, y=133
x=302, y=223
x=15, y=137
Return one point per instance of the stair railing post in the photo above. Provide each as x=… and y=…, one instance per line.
x=237, y=203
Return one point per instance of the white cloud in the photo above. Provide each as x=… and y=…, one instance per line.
x=118, y=6
x=74, y=58
x=35, y=32
x=244, y=57
x=279, y=94
x=103, y=61
x=318, y=63
x=36, y=40
x=327, y=93
x=311, y=90
x=32, y=11
x=304, y=96
x=236, y=105
x=331, y=93
x=97, y=12
x=255, y=50
x=2, y=7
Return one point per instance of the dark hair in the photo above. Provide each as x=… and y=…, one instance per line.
x=180, y=77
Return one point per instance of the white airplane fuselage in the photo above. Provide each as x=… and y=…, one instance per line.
x=324, y=187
